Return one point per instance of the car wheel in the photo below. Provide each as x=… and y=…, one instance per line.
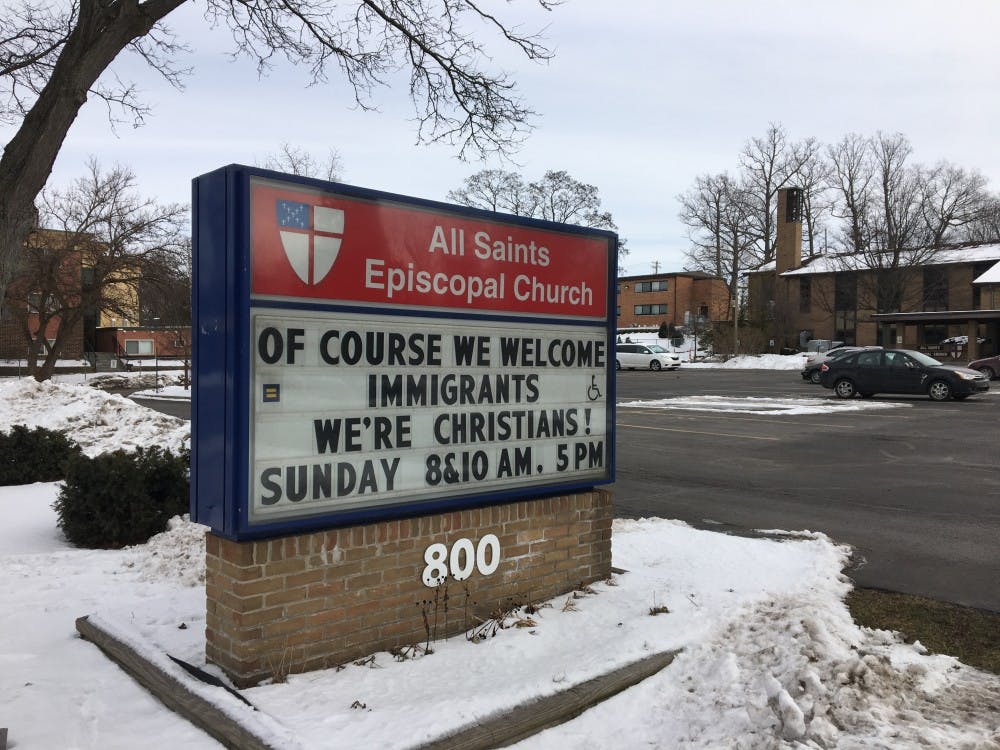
x=988, y=372
x=814, y=377
x=654, y=365
x=845, y=388
x=618, y=365
x=939, y=390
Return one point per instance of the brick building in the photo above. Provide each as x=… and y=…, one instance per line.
x=671, y=298
x=19, y=311
x=145, y=342
x=834, y=296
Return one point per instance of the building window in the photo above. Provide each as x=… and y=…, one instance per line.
x=793, y=205
x=138, y=347
x=650, y=309
x=934, y=333
x=845, y=322
x=977, y=289
x=845, y=302
x=35, y=303
x=651, y=286
x=845, y=292
x=805, y=294
x=935, y=288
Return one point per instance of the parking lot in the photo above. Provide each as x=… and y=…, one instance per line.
x=912, y=485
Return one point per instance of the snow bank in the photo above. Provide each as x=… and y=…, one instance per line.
x=99, y=422
x=178, y=554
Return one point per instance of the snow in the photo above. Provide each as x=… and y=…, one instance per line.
x=775, y=405
x=754, y=362
x=991, y=276
x=769, y=656
x=839, y=262
x=99, y=422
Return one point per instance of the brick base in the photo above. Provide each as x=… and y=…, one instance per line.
x=314, y=601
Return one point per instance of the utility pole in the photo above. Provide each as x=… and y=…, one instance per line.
x=656, y=266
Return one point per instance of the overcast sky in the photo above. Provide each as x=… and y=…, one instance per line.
x=641, y=97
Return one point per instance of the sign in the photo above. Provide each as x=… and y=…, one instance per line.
x=326, y=246
x=362, y=355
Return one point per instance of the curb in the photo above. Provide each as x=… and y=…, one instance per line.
x=175, y=693
x=501, y=728
x=507, y=726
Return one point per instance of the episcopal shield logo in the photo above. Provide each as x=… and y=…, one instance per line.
x=310, y=236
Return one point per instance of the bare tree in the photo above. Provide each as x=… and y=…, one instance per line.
x=984, y=226
x=812, y=175
x=766, y=164
x=101, y=225
x=53, y=58
x=952, y=198
x=719, y=215
x=559, y=197
x=898, y=215
x=555, y=197
x=296, y=160
x=897, y=223
x=165, y=287
x=494, y=190
x=851, y=177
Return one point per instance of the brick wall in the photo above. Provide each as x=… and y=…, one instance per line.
x=684, y=294
x=315, y=601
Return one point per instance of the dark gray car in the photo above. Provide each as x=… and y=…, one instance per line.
x=900, y=371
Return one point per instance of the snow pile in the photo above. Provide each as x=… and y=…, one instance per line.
x=754, y=405
x=136, y=379
x=177, y=554
x=792, y=670
x=98, y=422
x=757, y=362
x=795, y=672
x=165, y=393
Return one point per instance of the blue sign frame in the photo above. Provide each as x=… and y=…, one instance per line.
x=222, y=356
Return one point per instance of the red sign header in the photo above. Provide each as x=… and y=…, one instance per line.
x=325, y=246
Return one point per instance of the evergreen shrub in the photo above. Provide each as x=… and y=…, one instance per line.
x=35, y=455
x=117, y=499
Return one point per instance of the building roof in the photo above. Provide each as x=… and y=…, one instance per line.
x=835, y=262
x=992, y=276
x=937, y=316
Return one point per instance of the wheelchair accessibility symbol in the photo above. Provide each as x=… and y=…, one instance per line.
x=593, y=392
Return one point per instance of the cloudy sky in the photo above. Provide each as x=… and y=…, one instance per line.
x=641, y=97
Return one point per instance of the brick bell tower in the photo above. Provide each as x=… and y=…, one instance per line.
x=788, y=235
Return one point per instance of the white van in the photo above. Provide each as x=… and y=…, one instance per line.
x=646, y=356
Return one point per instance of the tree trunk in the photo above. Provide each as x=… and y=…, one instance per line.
x=100, y=35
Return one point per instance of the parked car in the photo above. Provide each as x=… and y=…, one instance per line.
x=811, y=370
x=899, y=371
x=961, y=340
x=822, y=345
x=988, y=366
x=646, y=356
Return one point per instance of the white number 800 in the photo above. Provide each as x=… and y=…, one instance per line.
x=462, y=560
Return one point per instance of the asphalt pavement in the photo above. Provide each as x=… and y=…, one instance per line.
x=915, y=490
